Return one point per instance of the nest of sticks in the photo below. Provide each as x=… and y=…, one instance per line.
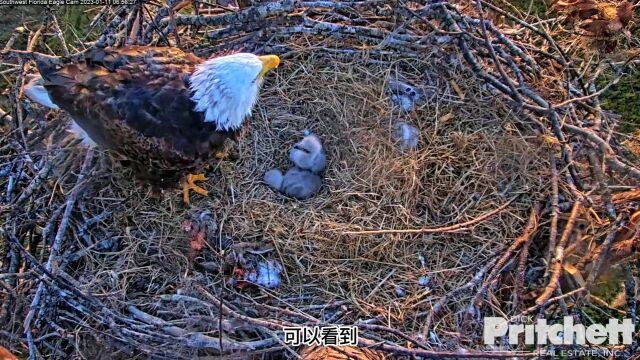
x=519, y=201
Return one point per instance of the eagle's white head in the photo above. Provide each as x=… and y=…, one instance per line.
x=226, y=88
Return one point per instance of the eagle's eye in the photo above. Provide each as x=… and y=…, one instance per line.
x=298, y=147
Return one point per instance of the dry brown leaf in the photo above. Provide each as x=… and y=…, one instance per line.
x=600, y=18
x=595, y=26
x=623, y=250
x=625, y=12
x=614, y=26
x=582, y=9
x=575, y=4
x=633, y=143
x=575, y=273
x=602, y=27
x=457, y=89
x=445, y=118
x=630, y=231
x=6, y=354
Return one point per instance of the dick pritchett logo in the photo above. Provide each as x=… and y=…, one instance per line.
x=565, y=333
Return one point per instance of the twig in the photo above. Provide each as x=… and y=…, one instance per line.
x=630, y=294
x=555, y=210
x=58, y=31
x=439, y=306
x=399, y=350
x=606, y=149
x=599, y=176
x=254, y=13
x=55, y=249
x=603, y=250
x=550, y=301
x=558, y=260
x=492, y=52
x=199, y=341
x=17, y=32
x=507, y=255
x=444, y=229
x=19, y=85
x=39, y=179
x=36, y=56
x=592, y=95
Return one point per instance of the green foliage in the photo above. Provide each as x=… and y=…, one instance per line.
x=623, y=100
x=14, y=16
x=74, y=22
x=609, y=284
x=538, y=7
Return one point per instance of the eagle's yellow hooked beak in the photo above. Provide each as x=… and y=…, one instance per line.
x=269, y=62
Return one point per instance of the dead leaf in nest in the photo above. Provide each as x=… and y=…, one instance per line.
x=599, y=18
x=625, y=197
x=633, y=143
x=6, y=354
x=623, y=250
x=581, y=9
x=457, y=89
x=601, y=27
x=575, y=273
x=445, y=118
x=630, y=231
x=340, y=353
x=625, y=12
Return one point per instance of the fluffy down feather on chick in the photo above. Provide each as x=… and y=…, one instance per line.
x=308, y=154
x=298, y=183
x=303, y=180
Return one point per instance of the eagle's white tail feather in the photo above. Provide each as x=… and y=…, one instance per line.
x=35, y=91
x=79, y=133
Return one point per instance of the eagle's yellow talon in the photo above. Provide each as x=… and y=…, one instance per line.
x=190, y=185
x=195, y=177
x=220, y=155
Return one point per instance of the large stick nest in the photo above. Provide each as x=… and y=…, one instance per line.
x=518, y=201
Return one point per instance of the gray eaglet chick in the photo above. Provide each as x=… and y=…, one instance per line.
x=301, y=181
x=297, y=183
x=308, y=154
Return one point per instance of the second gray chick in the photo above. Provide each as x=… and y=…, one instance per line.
x=301, y=181
x=297, y=183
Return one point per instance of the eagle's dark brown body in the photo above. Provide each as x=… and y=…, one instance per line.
x=136, y=102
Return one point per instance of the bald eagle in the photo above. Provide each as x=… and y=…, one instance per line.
x=163, y=110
